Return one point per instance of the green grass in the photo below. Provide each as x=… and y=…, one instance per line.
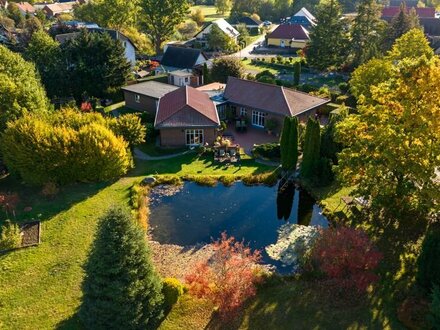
x=292, y=305
x=210, y=13
x=266, y=66
x=152, y=149
x=40, y=287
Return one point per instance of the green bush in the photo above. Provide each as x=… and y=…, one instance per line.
x=428, y=270
x=130, y=127
x=265, y=73
x=267, y=150
x=434, y=317
x=10, y=237
x=64, y=147
x=172, y=289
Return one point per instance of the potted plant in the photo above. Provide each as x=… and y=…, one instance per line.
x=271, y=125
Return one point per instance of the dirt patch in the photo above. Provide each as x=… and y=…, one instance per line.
x=30, y=234
x=178, y=261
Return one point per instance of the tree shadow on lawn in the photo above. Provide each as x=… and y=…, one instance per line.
x=44, y=208
x=399, y=241
x=296, y=305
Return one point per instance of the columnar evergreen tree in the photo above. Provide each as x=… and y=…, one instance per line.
x=401, y=24
x=312, y=145
x=284, y=143
x=292, y=152
x=328, y=39
x=121, y=288
x=367, y=31
x=297, y=72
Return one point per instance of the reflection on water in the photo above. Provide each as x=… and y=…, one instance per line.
x=196, y=214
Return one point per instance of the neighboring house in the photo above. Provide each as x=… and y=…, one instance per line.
x=303, y=17
x=25, y=8
x=145, y=96
x=224, y=26
x=421, y=12
x=184, y=66
x=289, y=36
x=252, y=24
x=260, y=102
x=186, y=116
x=129, y=47
x=55, y=9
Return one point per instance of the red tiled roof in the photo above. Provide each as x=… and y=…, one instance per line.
x=421, y=12
x=186, y=107
x=25, y=7
x=270, y=98
x=290, y=31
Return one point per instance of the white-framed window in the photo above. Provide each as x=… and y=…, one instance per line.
x=243, y=112
x=137, y=98
x=194, y=136
x=258, y=118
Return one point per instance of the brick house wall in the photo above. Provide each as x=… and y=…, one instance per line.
x=146, y=103
x=175, y=137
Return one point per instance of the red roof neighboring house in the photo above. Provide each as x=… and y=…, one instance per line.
x=186, y=107
x=290, y=31
x=25, y=7
x=271, y=98
x=421, y=12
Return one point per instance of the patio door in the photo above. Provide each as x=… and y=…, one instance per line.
x=258, y=118
x=194, y=137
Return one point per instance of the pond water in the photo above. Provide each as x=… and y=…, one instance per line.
x=195, y=214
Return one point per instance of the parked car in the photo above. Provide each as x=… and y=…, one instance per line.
x=267, y=23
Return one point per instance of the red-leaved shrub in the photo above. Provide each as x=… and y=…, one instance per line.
x=228, y=278
x=347, y=257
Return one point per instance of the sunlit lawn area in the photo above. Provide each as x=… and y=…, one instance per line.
x=210, y=12
x=40, y=287
x=266, y=66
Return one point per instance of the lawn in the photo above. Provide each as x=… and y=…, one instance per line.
x=152, y=149
x=210, y=12
x=290, y=305
x=259, y=67
x=40, y=287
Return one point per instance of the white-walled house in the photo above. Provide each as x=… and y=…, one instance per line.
x=224, y=26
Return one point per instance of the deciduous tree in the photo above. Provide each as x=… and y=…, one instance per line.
x=161, y=17
x=222, y=6
x=225, y=67
x=121, y=289
x=114, y=14
x=21, y=91
x=392, y=142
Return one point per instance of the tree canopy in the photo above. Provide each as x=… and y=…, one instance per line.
x=121, y=288
x=160, y=18
x=393, y=148
x=224, y=67
x=328, y=39
x=21, y=91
